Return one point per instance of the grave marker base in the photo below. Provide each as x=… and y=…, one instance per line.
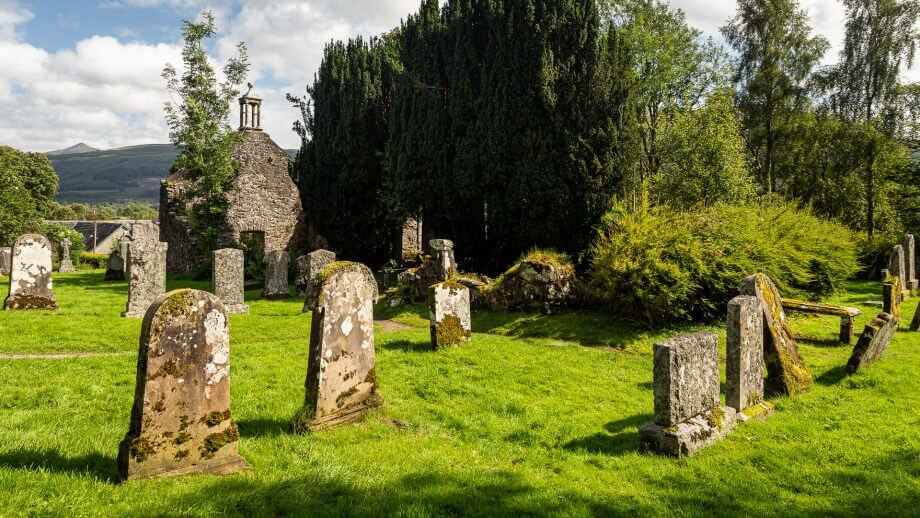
x=689, y=436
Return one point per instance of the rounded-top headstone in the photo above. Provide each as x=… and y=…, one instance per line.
x=341, y=382
x=180, y=421
x=30, y=274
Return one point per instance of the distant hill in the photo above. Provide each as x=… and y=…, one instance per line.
x=79, y=148
x=115, y=175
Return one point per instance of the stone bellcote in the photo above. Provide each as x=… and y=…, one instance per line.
x=250, y=111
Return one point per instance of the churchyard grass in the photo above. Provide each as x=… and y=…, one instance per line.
x=537, y=416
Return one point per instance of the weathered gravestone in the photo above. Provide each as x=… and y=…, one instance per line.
x=449, y=314
x=115, y=266
x=30, y=274
x=411, y=239
x=66, y=262
x=873, y=342
x=341, y=380
x=228, y=277
x=687, y=411
x=180, y=421
x=911, y=282
x=445, y=266
x=892, y=296
x=6, y=257
x=744, y=359
x=316, y=262
x=897, y=264
x=146, y=264
x=301, y=275
x=786, y=371
x=276, y=275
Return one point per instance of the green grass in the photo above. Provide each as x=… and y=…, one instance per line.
x=511, y=423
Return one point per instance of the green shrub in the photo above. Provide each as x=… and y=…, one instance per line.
x=659, y=265
x=94, y=261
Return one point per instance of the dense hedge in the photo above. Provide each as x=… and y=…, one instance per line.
x=658, y=265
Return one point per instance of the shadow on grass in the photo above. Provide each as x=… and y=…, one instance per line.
x=621, y=437
x=102, y=467
x=91, y=283
x=832, y=376
x=262, y=427
x=426, y=493
x=405, y=346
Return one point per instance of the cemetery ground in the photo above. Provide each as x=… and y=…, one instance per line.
x=536, y=415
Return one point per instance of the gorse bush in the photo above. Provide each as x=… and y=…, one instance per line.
x=660, y=265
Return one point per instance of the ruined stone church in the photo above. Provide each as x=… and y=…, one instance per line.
x=263, y=201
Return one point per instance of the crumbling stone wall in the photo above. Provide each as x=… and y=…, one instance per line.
x=262, y=198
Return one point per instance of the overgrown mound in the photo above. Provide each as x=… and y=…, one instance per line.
x=658, y=265
x=541, y=279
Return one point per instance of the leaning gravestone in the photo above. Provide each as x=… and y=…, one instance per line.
x=873, y=342
x=66, y=262
x=786, y=371
x=910, y=263
x=449, y=314
x=687, y=411
x=341, y=380
x=6, y=255
x=30, y=274
x=115, y=266
x=276, y=275
x=316, y=262
x=180, y=421
x=228, y=277
x=445, y=265
x=146, y=276
x=744, y=359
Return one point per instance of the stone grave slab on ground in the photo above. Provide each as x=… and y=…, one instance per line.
x=688, y=416
x=316, y=262
x=146, y=263
x=229, y=278
x=449, y=314
x=66, y=262
x=873, y=343
x=786, y=371
x=30, y=274
x=744, y=359
x=911, y=282
x=6, y=257
x=847, y=315
x=115, y=266
x=276, y=275
x=181, y=421
x=341, y=384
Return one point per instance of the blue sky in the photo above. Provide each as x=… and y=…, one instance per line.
x=89, y=70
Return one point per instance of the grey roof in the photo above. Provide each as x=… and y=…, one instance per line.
x=103, y=229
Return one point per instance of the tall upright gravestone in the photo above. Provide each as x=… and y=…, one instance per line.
x=449, y=314
x=229, y=277
x=66, y=262
x=6, y=258
x=315, y=263
x=897, y=264
x=146, y=264
x=30, y=274
x=444, y=262
x=786, y=371
x=180, y=421
x=744, y=359
x=276, y=275
x=687, y=411
x=911, y=283
x=341, y=384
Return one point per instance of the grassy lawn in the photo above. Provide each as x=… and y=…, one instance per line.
x=537, y=415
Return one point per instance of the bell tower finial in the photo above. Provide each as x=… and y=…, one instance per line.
x=250, y=111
